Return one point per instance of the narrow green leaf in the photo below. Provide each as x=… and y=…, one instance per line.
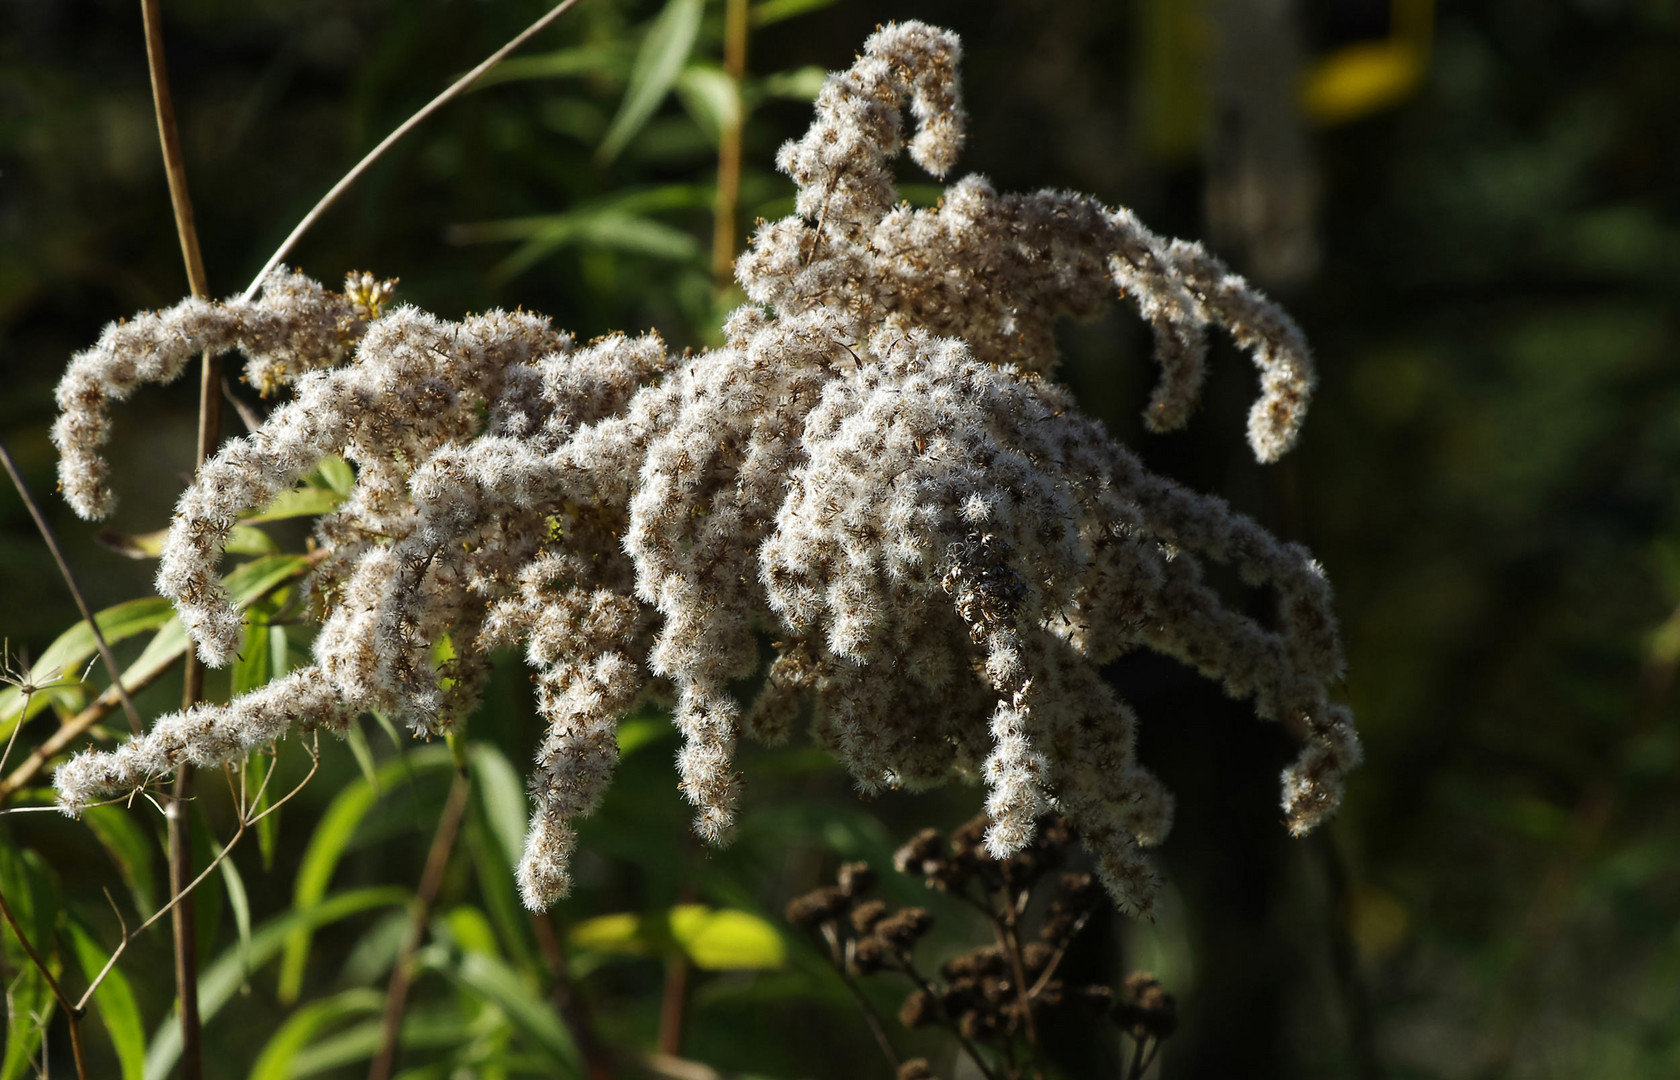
x=328, y=843
x=31, y=1011
x=221, y=979
x=307, y=501
x=241, y=905
x=303, y=1027
x=710, y=96
x=471, y=931
x=243, y=540
x=254, y=666
x=610, y=59
x=637, y=235
x=363, y=753
x=502, y=792
x=491, y=861
x=33, y=899
x=257, y=767
x=420, y=1031
x=800, y=84
x=530, y=1013
x=65, y=659
x=336, y=473
x=774, y=11
x=662, y=56
x=258, y=576
x=131, y=848
x=114, y=1001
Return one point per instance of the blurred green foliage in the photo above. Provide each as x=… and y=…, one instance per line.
x=1488, y=476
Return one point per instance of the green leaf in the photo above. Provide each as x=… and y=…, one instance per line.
x=241, y=905
x=65, y=659
x=471, y=930
x=221, y=980
x=661, y=58
x=726, y=940
x=518, y=999
x=243, y=540
x=254, y=666
x=32, y=1006
x=640, y=731
x=131, y=848
x=328, y=843
x=33, y=900
x=800, y=84
x=361, y=1042
x=306, y=501
x=362, y=752
x=336, y=473
x=502, y=793
x=710, y=96
x=608, y=229
x=601, y=58
x=715, y=940
x=774, y=11
x=257, y=768
x=115, y=1002
x=303, y=1027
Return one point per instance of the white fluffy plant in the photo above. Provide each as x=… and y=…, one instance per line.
x=875, y=471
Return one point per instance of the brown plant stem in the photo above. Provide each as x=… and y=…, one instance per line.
x=729, y=147
x=456, y=89
x=838, y=958
x=431, y=879
x=573, y=1010
x=46, y=532
x=71, y=1011
x=209, y=423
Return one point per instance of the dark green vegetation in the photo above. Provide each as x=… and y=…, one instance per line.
x=1489, y=269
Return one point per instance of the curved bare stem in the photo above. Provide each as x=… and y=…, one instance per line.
x=456, y=89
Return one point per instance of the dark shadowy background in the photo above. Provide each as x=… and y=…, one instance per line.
x=1473, y=211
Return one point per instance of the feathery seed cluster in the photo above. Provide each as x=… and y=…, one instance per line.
x=874, y=470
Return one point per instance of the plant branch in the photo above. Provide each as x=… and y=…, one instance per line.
x=431, y=879
x=41, y=525
x=209, y=423
x=175, y=901
x=729, y=147
x=458, y=87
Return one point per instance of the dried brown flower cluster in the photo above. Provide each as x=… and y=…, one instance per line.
x=873, y=471
x=997, y=994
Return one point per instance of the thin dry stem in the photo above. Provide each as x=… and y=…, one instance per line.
x=729, y=147
x=402, y=974
x=46, y=532
x=175, y=902
x=458, y=87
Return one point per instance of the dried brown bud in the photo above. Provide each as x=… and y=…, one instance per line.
x=925, y=846
x=904, y=927
x=1145, y=1008
x=869, y=955
x=816, y=906
x=1035, y=957
x=867, y=914
x=918, y=1010
x=856, y=878
x=915, y=1069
